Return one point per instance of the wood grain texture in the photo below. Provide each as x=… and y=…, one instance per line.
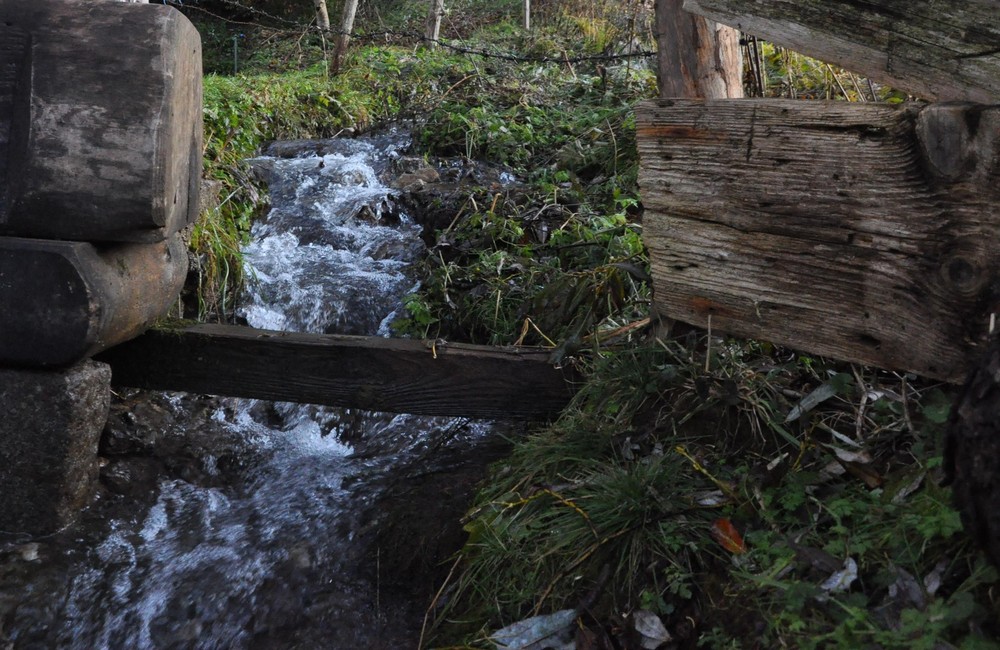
x=394, y=375
x=935, y=50
x=867, y=233
x=696, y=57
x=101, y=112
x=65, y=301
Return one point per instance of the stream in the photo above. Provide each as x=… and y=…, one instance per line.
x=231, y=523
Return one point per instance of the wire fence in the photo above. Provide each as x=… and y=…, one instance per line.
x=281, y=24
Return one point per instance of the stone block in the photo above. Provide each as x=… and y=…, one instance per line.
x=49, y=433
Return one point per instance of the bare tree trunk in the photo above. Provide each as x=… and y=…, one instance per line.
x=696, y=57
x=433, y=31
x=322, y=15
x=527, y=15
x=344, y=36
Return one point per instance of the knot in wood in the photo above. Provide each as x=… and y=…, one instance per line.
x=963, y=274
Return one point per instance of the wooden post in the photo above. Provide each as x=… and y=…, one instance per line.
x=972, y=453
x=935, y=50
x=100, y=120
x=696, y=57
x=864, y=232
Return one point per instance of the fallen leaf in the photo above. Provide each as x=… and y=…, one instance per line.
x=843, y=579
x=866, y=473
x=726, y=534
x=816, y=558
x=822, y=393
x=710, y=498
x=847, y=456
x=932, y=581
x=902, y=484
x=651, y=630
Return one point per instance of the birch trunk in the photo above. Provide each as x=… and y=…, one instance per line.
x=343, y=38
x=322, y=15
x=434, y=22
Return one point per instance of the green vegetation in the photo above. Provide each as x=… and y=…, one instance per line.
x=246, y=111
x=848, y=540
x=746, y=495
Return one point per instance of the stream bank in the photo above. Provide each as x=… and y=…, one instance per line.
x=233, y=523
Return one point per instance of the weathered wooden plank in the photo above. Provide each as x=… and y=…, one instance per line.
x=935, y=50
x=100, y=120
x=64, y=301
x=394, y=375
x=862, y=232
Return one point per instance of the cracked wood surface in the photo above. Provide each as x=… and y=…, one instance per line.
x=100, y=120
x=862, y=232
x=932, y=49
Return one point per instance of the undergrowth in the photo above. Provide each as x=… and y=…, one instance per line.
x=733, y=505
x=747, y=496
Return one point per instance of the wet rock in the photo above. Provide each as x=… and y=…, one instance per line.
x=132, y=477
x=313, y=147
x=417, y=174
x=133, y=428
x=435, y=192
x=151, y=435
x=409, y=165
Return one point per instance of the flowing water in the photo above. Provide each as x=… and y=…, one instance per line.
x=293, y=526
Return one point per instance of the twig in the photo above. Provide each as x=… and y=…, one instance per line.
x=434, y=601
x=857, y=87
x=860, y=421
x=708, y=347
x=569, y=65
x=843, y=91
x=618, y=331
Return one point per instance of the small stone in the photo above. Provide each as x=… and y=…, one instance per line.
x=28, y=552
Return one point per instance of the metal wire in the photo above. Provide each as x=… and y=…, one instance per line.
x=456, y=47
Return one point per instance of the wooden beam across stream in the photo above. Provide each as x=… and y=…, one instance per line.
x=373, y=373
